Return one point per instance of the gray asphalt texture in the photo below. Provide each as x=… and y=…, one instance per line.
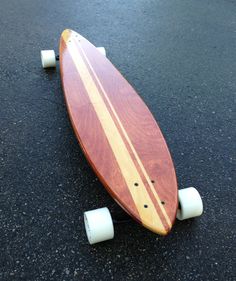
x=181, y=57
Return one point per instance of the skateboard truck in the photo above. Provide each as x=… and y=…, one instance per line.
x=49, y=58
x=99, y=223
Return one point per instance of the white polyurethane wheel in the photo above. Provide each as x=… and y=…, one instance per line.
x=190, y=203
x=98, y=225
x=48, y=58
x=102, y=50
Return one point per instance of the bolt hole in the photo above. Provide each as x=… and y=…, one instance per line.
x=145, y=206
x=163, y=202
x=136, y=184
x=152, y=181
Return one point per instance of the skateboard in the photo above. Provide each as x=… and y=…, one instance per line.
x=121, y=141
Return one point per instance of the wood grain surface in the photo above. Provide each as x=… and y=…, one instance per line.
x=118, y=135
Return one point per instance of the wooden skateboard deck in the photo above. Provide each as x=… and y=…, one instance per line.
x=118, y=135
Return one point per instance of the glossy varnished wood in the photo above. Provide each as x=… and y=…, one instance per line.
x=118, y=134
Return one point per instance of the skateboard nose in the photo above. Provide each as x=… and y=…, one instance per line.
x=161, y=230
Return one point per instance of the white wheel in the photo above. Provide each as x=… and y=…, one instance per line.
x=48, y=58
x=190, y=203
x=98, y=225
x=102, y=50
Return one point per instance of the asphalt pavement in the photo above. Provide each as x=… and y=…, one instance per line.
x=181, y=58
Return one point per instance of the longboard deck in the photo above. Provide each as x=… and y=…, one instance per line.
x=118, y=135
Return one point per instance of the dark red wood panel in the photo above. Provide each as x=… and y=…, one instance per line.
x=138, y=129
